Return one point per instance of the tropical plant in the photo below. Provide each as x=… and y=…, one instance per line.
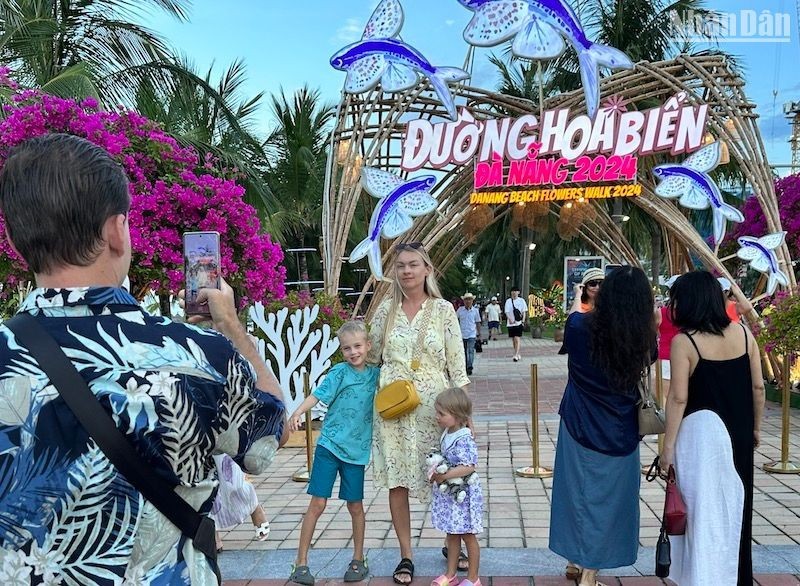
x=780, y=329
x=172, y=191
x=80, y=48
x=297, y=150
x=219, y=123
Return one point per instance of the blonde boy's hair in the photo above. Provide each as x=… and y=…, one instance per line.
x=456, y=402
x=352, y=327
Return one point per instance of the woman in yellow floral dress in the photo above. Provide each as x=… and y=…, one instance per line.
x=399, y=446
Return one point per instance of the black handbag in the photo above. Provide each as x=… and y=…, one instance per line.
x=478, y=345
x=663, y=554
x=111, y=441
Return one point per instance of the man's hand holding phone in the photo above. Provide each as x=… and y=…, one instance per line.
x=221, y=307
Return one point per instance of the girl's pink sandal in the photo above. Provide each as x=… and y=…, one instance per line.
x=445, y=581
x=468, y=583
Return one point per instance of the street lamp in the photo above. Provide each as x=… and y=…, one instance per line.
x=532, y=246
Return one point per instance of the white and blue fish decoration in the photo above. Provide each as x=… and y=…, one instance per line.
x=540, y=29
x=697, y=191
x=381, y=57
x=400, y=201
x=761, y=254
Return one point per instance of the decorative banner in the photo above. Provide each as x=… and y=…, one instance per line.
x=400, y=201
x=677, y=127
x=287, y=349
x=760, y=253
x=563, y=194
x=382, y=57
x=574, y=267
x=539, y=29
x=697, y=191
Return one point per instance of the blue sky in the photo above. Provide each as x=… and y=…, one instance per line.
x=286, y=44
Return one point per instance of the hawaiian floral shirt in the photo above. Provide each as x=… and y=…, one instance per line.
x=181, y=393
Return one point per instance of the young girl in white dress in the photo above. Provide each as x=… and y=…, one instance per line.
x=461, y=521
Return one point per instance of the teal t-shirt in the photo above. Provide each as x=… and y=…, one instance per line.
x=350, y=397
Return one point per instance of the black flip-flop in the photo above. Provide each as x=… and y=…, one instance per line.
x=462, y=557
x=404, y=568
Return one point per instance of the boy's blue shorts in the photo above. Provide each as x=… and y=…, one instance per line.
x=323, y=474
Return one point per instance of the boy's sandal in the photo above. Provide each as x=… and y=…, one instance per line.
x=262, y=531
x=463, y=560
x=356, y=571
x=445, y=581
x=404, y=568
x=302, y=575
x=573, y=571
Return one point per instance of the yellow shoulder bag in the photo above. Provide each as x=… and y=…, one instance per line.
x=400, y=397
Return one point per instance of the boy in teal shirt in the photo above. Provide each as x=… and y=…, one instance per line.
x=343, y=447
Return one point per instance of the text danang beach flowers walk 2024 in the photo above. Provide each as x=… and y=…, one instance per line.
x=172, y=191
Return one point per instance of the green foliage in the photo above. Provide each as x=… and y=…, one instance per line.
x=780, y=331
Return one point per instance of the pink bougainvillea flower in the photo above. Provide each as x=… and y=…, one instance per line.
x=172, y=191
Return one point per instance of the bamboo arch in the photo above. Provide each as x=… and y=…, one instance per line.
x=370, y=127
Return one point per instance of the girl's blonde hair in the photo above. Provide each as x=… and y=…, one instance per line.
x=456, y=402
x=431, y=286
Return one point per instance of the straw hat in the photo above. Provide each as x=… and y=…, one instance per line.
x=467, y=295
x=593, y=274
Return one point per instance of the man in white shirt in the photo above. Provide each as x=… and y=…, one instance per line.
x=469, y=318
x=516, y=311
x=493, y=318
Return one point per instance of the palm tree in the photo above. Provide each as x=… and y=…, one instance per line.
x=297, y=151
x=213, y=118
x=78, y=48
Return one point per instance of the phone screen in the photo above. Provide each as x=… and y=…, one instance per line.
x=201, y=267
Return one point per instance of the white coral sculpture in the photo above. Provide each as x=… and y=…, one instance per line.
x=287, y=359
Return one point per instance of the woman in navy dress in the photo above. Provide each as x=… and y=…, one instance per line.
x=595, y=508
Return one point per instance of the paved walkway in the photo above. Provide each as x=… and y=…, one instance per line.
x=517, y=516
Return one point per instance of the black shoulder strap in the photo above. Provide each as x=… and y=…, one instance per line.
x=691, y=339
x=113, y=443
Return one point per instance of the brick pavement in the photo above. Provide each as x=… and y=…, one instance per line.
x=517, y=516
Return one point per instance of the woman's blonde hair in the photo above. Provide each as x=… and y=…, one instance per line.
x=431, y=286
x=456, y=402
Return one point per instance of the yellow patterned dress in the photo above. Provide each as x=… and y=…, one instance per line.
x=399, y=446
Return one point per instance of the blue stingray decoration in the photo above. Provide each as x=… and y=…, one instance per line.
x=400, y=201
x=539, y=29
x=381, y=57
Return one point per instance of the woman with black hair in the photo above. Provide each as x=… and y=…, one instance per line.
x=595, y=506
x=714, y=411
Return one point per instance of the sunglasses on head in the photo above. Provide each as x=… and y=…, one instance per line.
x=593, y=283
x=408, y=246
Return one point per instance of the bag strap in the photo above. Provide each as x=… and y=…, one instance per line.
x=422, y=330
x=112, y=442
x=644, y=387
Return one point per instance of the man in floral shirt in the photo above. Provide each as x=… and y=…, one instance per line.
x=180, y=393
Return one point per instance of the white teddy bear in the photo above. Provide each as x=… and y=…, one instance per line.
x=455, y=486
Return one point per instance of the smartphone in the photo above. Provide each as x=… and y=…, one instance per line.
x=201, y=262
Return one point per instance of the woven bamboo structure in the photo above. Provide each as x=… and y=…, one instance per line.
x=370, y=128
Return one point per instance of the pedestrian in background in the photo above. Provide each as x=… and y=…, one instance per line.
x=516, y=312
x=469, y=320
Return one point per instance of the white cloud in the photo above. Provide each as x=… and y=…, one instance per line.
x=450, y=22
x=350, y=31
